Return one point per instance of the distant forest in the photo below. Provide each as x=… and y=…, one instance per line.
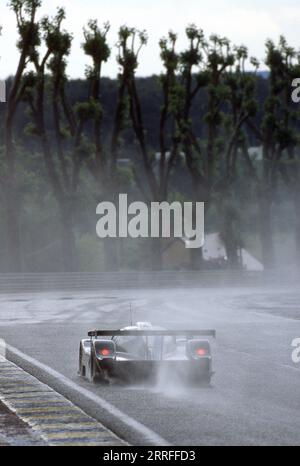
x=151, y=95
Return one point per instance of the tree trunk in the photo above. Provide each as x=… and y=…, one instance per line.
x=266, y=233
x=199, y=195
x=231, y=251
x=68, y=243
x=14, y=258
x=197, y=261
x=229, y=232
x=111, y=245
x=156, y=254
x=111, y=254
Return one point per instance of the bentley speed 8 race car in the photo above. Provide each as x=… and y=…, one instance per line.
x=142, y=352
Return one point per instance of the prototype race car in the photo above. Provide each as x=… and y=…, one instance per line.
x=143, y=352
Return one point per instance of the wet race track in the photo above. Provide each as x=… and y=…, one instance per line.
x=254, y=397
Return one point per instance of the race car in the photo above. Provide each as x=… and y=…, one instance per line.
x=143, y=352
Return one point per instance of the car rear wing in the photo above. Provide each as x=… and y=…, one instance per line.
x=152, y=333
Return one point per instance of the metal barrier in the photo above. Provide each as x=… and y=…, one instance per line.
x=31, y=282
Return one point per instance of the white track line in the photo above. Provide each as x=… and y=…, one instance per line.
x=140, y=428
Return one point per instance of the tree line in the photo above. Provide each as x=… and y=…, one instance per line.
x=211, y=106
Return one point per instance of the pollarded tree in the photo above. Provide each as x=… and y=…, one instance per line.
x=278, y=137
x=131, y=42
x=242, y=105
x=25, y=12
x=169, y=141
x=63, y=155
x=96, y=47
x=102, y=161
x=207, y=65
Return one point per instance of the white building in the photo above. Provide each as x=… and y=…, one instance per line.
x=177, y=256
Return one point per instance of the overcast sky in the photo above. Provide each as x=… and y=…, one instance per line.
x=247, y=22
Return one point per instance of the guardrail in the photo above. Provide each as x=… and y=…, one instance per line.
x=32, y=282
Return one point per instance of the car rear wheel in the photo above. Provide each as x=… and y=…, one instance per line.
x=81, y=370
x=95, y=375
x=201, y=381
x=207, y=380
